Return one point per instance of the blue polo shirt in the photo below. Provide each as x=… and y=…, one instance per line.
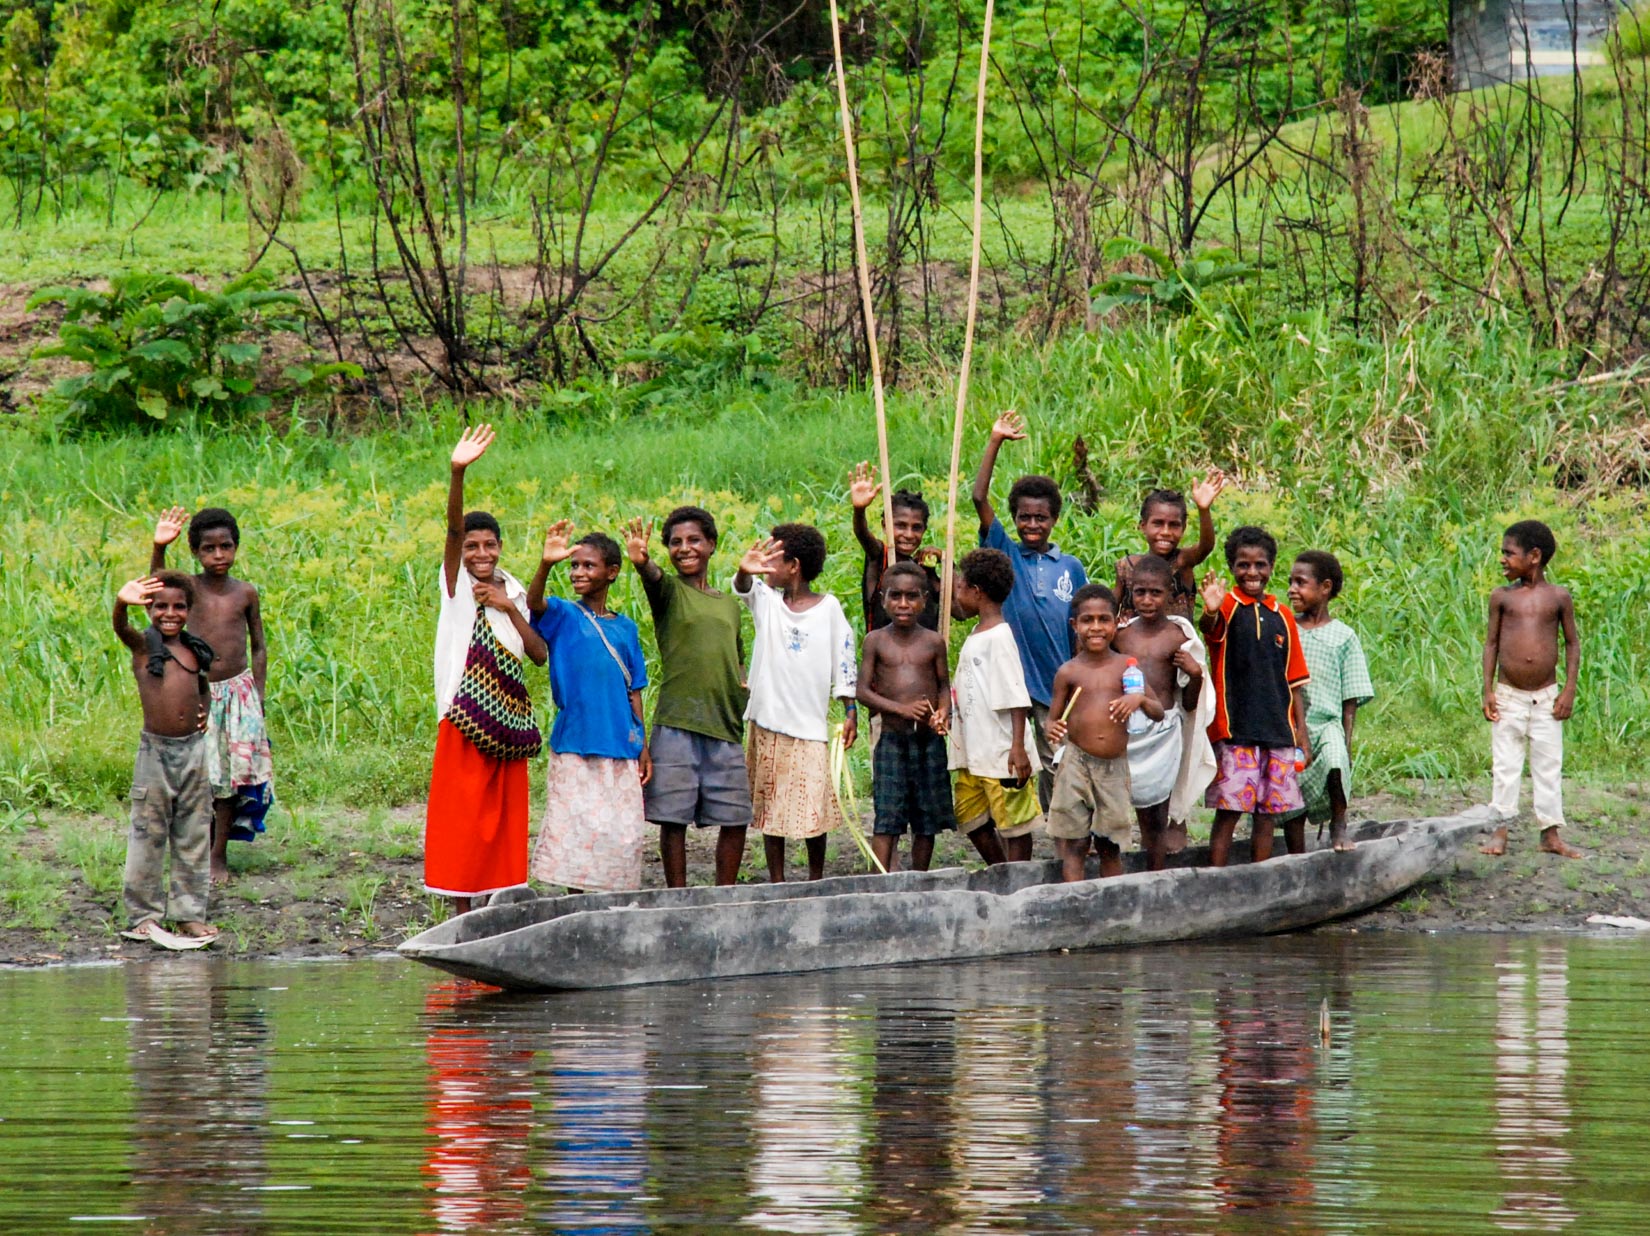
x=1039, y=609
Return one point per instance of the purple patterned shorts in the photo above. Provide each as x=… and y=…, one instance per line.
x=1254, y=780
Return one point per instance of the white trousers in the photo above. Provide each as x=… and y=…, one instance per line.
x=1527, y=722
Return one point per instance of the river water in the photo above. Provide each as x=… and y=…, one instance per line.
x=1464, y=1084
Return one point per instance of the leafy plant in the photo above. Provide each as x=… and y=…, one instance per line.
x=158, y=346
x=1173, y=289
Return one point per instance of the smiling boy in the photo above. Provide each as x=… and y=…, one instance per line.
x=1522, y=698
x=910, y=516
x=696, y=747
x=1045, y=580
x=171, y=796
x=226, y=616
x=1091, y=790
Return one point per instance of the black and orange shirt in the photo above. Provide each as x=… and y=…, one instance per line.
x=1255, y=662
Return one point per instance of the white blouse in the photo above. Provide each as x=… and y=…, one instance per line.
x=458, y=619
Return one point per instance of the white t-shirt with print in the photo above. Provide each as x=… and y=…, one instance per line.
x=988, y=685
x=798, y=662
x=458, y=620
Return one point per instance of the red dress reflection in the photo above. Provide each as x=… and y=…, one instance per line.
x=479, y=1119
x=1264, y=1143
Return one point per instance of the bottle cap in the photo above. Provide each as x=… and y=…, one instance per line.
x=1131, y=661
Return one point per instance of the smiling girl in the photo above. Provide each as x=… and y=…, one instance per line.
x=475, y=828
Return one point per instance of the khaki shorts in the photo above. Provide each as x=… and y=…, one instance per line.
x=979, y=800
x=1091, y=796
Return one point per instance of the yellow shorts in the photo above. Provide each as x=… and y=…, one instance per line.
x=1015, y=812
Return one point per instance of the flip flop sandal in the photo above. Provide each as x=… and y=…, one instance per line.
x=143, y=931
x=176, y=943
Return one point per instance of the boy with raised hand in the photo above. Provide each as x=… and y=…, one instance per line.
x=990, y=714
x=803, y=654
x=226, y=616
x=1522, y=698
x=1091, y=790
x=696, y=747
x=1045, y=580
x=1163, y=524
x=904, y=681
x=910, y=527
x=171, y=796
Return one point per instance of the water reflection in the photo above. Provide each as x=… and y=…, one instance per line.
x=199, y=1066
x=1463, y=1086
x=480, y=1115
x=1532, y=1112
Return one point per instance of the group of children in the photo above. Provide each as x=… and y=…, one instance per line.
x=1074, y=708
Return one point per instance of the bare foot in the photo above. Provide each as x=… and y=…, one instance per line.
x=1498, y=843
x=220, y=875
x=1174, y=838
x=1551, y=844
x=194, y=929
x=1338, y=839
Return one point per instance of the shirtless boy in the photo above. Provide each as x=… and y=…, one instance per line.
x=1163, y=524
x=903, y=679
x=1522, y=697
x=1157, y=643
x=1091, y=789
x=227, y=617
x=171, y=797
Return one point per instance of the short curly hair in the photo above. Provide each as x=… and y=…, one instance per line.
x=1164, y=497
x=604, y=545
x=905, y=570
x=806, y=544
x=990, y=571
x=1150, y=566
x=1530, y=534
x=179, y=581
x=910, y=500
x=1326, y=568
x=1249, y=535
x=482, y=521
x=209, y=518
x=689, y=515
x=1036, y=487
x=1093, y=592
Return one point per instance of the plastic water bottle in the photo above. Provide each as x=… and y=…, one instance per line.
x=1134, y=683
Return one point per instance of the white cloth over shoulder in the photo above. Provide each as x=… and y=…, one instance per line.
x=458, y=619
x=799, y=660
x=988, y=685
x=1197, y=754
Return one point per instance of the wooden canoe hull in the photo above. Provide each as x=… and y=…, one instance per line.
x=663, y=936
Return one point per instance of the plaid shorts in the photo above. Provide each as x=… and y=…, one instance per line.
x=911, y=784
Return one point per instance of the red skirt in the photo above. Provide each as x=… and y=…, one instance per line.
x=475, y=828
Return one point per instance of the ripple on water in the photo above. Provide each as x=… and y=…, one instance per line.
x=1319, y=1084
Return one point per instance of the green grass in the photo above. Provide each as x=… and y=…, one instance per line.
x=1406, y=457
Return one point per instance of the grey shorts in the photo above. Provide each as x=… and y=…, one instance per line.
x=1091, y=796
x=696, y=780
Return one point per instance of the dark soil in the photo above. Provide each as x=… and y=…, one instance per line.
x=338, y=883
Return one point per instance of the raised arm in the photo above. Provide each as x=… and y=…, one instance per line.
x=1214, y=595
x=136, y=592
x=1204, y=494
x=167, y=529
x=556, y=549
x=472, y=445
x=1565, y=704
x=1492, y=657
x=759, y=559
x=862, y=491
x=637, y=536
x=1008, y=427
x=255, y=644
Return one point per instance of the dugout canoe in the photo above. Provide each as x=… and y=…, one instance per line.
x=592, y=940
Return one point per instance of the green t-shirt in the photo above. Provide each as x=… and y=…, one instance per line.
x=701, y=662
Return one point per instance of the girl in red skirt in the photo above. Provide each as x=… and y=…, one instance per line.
x=475, y=829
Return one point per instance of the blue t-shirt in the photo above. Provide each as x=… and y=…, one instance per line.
x=1039, y=609
x=593, y=715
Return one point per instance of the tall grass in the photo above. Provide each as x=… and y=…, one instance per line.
x=1405, y=457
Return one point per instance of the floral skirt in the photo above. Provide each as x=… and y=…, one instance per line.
x=593, y=831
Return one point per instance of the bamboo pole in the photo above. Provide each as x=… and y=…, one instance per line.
x=862, y=266
x=948, y=567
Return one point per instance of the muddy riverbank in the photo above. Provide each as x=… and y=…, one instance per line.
x=330, y=882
